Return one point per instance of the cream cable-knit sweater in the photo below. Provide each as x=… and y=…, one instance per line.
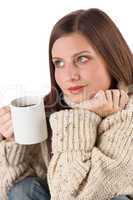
x=19, y=161
x=92, y=158
x=83, y=165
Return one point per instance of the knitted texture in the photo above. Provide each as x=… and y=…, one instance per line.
x=70, y=130
x=19, y=161
x=99, y=166
x=73, y=137
x=92, y=161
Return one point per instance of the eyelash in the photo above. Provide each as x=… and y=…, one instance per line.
x=83, y=56
x=76, y=61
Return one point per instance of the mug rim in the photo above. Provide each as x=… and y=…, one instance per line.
x=37, y=100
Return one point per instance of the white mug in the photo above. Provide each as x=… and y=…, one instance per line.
x=29, y=120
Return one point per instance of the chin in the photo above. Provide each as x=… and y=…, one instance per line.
x=77, y=99
x=81, y=98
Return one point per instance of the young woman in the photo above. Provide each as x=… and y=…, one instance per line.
x=88, y=154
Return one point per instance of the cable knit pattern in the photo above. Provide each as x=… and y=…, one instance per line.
x=17, y=162
x=86, y=167
x=73, y=136
x=71, y=128
x=92, y=157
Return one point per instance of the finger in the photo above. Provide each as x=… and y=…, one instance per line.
x=102, y=97
x=123, y=99
x=6, y=117
x=109, y=97
x=116, y=97
x=98, y=100
x=9, y=133
x=4, y=110
x=5, y=127
x=91, y=94
x=11, y=139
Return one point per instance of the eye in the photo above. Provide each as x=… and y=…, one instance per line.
x=82, y=59
x=58, y=63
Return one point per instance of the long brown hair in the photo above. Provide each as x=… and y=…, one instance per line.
x=104, y=36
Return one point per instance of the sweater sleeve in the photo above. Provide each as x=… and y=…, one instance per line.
x=40, y=160
x=85, y=166
x=14, y=164
x=72, y=142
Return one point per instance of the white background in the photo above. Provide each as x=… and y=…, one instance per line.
x=25, y=27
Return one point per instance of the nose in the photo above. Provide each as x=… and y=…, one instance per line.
x=72, y=72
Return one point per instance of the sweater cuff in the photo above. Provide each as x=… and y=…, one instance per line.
x=116, y=119
x=74, y=130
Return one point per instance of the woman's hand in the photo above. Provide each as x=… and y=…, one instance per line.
x=108, y=102
x=6, y=128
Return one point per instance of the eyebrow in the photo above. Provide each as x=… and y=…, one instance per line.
x=74, y=55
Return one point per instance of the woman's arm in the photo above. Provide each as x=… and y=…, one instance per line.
x=73, y=139
x=18, y=161
x=80, y=167
x=14, y=164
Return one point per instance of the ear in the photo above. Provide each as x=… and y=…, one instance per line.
x=122, y=86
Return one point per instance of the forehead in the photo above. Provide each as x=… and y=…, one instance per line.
x=71, y=44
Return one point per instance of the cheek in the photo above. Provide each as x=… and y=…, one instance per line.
x=96, y=77
x=89, y=74
x=102, y=79
x=59, y=79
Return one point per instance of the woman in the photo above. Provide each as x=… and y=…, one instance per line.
x=89, y=117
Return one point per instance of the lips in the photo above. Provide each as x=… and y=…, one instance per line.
x=76, y=87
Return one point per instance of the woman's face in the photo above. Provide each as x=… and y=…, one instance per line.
x=79, y=70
